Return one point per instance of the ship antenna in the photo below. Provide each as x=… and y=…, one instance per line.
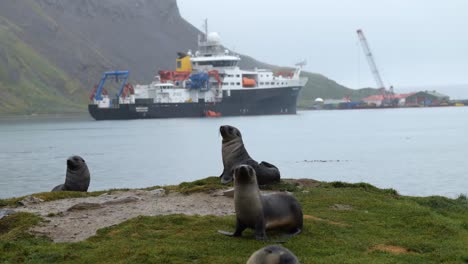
x=206, y=29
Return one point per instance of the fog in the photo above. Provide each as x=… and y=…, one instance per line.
x=415, y=43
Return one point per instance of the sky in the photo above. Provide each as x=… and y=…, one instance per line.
x=415, y=43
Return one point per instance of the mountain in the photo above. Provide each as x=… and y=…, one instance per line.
x=53, y=51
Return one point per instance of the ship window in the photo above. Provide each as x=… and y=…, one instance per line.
x=238, y=83
x=232, y=83
x=230, y=75
x=261, y=83
x=225, y=83
x=237, y=75
x=261, y=75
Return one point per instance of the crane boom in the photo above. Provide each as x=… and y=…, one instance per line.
x=370, y=59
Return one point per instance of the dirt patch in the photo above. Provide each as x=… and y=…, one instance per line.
x=71, y=220
x=389, y=249
x=318, y=219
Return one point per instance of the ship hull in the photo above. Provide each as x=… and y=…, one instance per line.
x=234, y=103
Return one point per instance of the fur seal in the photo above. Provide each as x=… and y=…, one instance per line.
x=77, y=177
x=262, y=212
x=234, y=153
x=273, y=254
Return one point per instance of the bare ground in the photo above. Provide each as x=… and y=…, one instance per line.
x=72, y=220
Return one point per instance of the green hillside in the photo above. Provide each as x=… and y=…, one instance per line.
x=320, y=86
x=29, y=83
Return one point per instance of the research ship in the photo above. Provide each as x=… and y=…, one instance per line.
x=206, y=83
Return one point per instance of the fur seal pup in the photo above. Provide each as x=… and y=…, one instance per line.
x=262, y=212
x=234, y=153
x=273, y=254
x=77, y=177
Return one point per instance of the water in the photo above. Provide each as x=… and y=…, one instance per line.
x=415, y=151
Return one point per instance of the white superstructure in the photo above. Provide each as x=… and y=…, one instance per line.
x=211, y=56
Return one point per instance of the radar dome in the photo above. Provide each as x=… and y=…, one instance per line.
x=213, y=38
x=319, y=100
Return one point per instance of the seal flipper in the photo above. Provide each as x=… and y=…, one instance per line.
x=267, y=173
x=59, y=188
x=267, y=165
x=226, y=233
x=260, y=233
x=226, y=177
x=237, y=233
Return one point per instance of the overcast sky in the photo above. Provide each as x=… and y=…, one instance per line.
x=415, y=42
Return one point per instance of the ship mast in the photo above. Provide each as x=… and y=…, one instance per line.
x=206, y=29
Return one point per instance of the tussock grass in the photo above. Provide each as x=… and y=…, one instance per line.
x=426, y=229
x=204, y=185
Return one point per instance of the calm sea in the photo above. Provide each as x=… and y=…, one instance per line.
x=418, y=152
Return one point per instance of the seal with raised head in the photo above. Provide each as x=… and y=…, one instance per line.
x=262, y=212
x=77, y=177
x=234, y=153
x=273, y=254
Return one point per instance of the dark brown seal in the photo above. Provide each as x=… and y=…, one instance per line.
x=234, y=153
x=262, y=212
x=77, y=177
x=273, y=254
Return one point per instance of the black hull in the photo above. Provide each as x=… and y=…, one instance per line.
x=240, y=102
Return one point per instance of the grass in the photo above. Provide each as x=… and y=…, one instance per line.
x=29, y=82
x=430, y=229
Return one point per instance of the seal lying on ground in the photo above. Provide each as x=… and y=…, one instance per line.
x=234, y=154
x=262, y=212
x=273, y=254
x=77, y=177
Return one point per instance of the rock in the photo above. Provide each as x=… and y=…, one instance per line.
x=158, y=192
x=342, y=207
x=30, y=200
x=5, y=212
x=229, y=192
x=130, y=199
x=84, y=206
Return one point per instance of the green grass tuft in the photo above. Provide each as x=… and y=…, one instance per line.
x=361, y=185
x=204, y=185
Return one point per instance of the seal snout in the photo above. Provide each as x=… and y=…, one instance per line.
x=244, y=173
x=243, y=169
x=222, y=130
x=74, y=162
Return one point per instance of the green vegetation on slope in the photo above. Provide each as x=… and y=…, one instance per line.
x=29, y=83
x=372, y=224
x=319, y=86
